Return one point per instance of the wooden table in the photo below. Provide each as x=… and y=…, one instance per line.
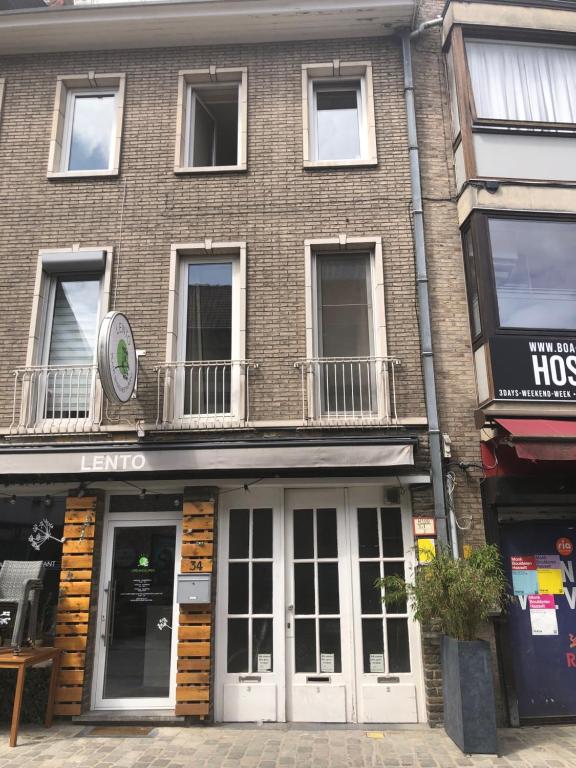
x=30, y=657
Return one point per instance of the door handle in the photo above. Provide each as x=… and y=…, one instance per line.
x=109, y=619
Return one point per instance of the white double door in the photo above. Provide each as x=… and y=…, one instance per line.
x=302, y=634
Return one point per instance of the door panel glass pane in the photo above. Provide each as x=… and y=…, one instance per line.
x=330, y=644
x=370, y=596
x=305, y=645
x=328, y=591
x=337, y=123
x=262, y=533
x=261, y=587
x=395, y=569
x=373, y=644
x=138, y=652
x=392, y=544
x=535, y=273
x=368, y=533
x=92, y=132
x=304, y=589
x=303, y=534
x=239, y=533
x=398, y=645
x=238, y=645
x=208, y=338
x=262, y=644
x=326, y=533
x=238, y=588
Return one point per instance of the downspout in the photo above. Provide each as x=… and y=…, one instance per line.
x=435, y=437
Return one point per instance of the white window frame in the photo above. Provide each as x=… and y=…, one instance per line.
x=41, y=325
x=346, y=245
x=181, y=256
x=67, y=88
x=69, y=124
x=213, y=77
x=333, y=74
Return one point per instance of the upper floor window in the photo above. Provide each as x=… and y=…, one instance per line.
x=522, y=82
x=212, y=120
x=534, y=265
x=87, y=126
x=89, y=140
x=338, y=114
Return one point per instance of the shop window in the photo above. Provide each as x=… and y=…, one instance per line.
x=534, y=268
x=18, y=516
x=522, y=82
x=338, y=114
x=211, y=132
x=87, y=126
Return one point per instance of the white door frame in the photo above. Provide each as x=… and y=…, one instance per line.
x=111, y=522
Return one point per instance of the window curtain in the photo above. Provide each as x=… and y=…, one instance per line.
x=523, y=82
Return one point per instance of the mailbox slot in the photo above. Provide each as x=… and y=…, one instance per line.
x=194, y=588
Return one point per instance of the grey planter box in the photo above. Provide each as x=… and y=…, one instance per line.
x=469, y=705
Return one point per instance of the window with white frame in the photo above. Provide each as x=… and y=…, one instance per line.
x=212, y=120
x=87, y=126
x=522, y=81
x=338, y=114
x=209, y=345
x=346, y=362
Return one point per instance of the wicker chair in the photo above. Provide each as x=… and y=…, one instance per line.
x=20, y=585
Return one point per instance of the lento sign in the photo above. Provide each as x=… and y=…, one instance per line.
x=524, y=368
x=106, y=462
x=117, y=360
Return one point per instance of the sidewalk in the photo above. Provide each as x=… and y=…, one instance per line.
x=279, y=747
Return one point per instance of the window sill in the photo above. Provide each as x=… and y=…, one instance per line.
x=211, y=169
x=338, y=163
x=82, y=174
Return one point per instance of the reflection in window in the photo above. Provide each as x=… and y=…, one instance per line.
x=535, y=273
x=472, y=285
x=91, y=132
x=337, y=110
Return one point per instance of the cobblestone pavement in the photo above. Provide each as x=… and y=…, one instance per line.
x=280, y=747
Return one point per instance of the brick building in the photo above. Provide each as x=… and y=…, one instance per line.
x=236, y=180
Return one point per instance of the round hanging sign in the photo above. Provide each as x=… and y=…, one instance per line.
x=117, y=360
x=564, y=546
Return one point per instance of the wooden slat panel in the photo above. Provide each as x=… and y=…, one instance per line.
x=76, y=630
x=196, y=566
x=194, y=618
x=194, y=632
x=71, y=677
x=192, y=709
x=73, y=618
x=79, y=531
x=74, y=604
x=197, y=550
x=68, y=574
x=67, y=709
x=192, y=693
x=193, y=649
x=191, y=508
x=73, y=659
x=193, y=536
x=184, y=665
x=69, y=694
x=76, y=546
x=199, y=524
x=76, y=509
x=77, y=561
x=71, y=643
x=188, y=678
x=75, y=588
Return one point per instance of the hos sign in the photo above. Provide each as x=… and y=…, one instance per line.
x=112, y=462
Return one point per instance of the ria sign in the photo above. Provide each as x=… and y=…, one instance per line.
x=117, y=359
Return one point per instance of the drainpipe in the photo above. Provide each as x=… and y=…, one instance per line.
x=435, y=437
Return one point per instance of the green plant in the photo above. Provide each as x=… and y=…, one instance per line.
x=457, y=595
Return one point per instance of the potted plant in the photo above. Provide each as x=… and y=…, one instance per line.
x=457, y=597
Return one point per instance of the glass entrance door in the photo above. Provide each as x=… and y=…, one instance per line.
x=138, y=614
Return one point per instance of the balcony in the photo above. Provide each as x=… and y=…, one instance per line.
x=212, y=394
x=348, y=391
x=56, y=399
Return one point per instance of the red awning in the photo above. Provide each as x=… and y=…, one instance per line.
x=542, y=439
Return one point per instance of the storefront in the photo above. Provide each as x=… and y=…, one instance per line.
x=530, y=511
x=237, y=594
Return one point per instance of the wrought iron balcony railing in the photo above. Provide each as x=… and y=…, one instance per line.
x=348, y=391
x=56, y=399
x=208, y=394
